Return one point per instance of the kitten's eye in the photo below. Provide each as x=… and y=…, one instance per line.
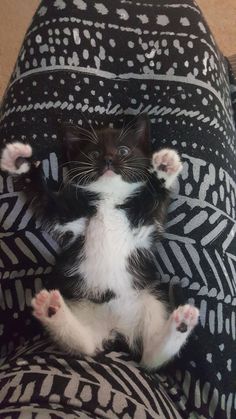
x=123, y=151
x=94, y=154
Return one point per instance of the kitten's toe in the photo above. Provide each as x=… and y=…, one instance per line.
x=14, y=158
x=55, y=303
x=167, y=161
x=46, y=304
x=185, y=318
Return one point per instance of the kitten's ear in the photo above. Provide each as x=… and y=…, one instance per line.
x=142, y=132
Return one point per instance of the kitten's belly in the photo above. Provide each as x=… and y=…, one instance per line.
x=108, y=243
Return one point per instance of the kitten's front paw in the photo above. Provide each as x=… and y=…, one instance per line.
x=185, y=318
x=14, y=158
x=46, y=304
x=167, y=161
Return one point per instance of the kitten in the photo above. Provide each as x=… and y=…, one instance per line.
x=110, y=213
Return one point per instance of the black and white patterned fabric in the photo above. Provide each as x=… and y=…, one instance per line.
x=91, y=62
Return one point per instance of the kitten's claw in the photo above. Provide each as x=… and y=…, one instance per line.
x=14, y=158
x=46, y=304
x=185, y=318
x=37, y=163
x=167, y=161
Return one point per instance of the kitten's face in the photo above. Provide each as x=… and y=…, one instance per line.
x=108, y=152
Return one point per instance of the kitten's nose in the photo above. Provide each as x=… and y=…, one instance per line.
x=108, y=161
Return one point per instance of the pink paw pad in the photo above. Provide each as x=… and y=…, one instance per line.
x=185, y=318
x=46, y=304
x=14, y=158
x=167, y=161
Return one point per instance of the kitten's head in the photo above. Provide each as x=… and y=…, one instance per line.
x=108, y=152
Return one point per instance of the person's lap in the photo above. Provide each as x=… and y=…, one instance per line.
x=92, y=64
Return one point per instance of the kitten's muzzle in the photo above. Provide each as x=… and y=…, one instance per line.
x=108, y=163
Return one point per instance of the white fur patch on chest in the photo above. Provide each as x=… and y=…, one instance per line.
x=109, y=239
x=108, y=242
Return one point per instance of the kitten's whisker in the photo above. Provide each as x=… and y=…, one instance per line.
x=124, y=134
x=134, y=172
x=85, y=172
x=93, y=131
x=85, y=178
x=66, y=163
x=82, y=166
x=140, y=165
x=75, y=172
x=127, y=172
x=134, y=167
x=137, y=158
x=122, y=130
x=129, y=126
x=88, y=134
x=87, y=157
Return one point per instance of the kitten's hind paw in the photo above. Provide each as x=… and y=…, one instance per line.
x=167, y=165
x=46, y=304
x=185, y=318
x=14, y=158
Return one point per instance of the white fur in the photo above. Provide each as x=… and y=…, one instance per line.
x=163, y=343
x=114, y=188
x=65, y=328
x=77, y=227
x=108, y=243
x=142, y=236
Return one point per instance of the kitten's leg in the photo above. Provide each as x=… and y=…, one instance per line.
x=66, y=329
x=167, y=165
x=15, y=158
x=161, y=346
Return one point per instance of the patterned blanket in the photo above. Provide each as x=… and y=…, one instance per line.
x=91, y=62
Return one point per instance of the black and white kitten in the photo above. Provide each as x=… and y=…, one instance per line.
x=111, y=212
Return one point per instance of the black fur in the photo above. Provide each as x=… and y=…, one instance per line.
x=69, y=204
x=148, y=204
x=70, y=286
x=142, y=266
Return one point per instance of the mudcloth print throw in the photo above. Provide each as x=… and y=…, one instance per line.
x=87, y=63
